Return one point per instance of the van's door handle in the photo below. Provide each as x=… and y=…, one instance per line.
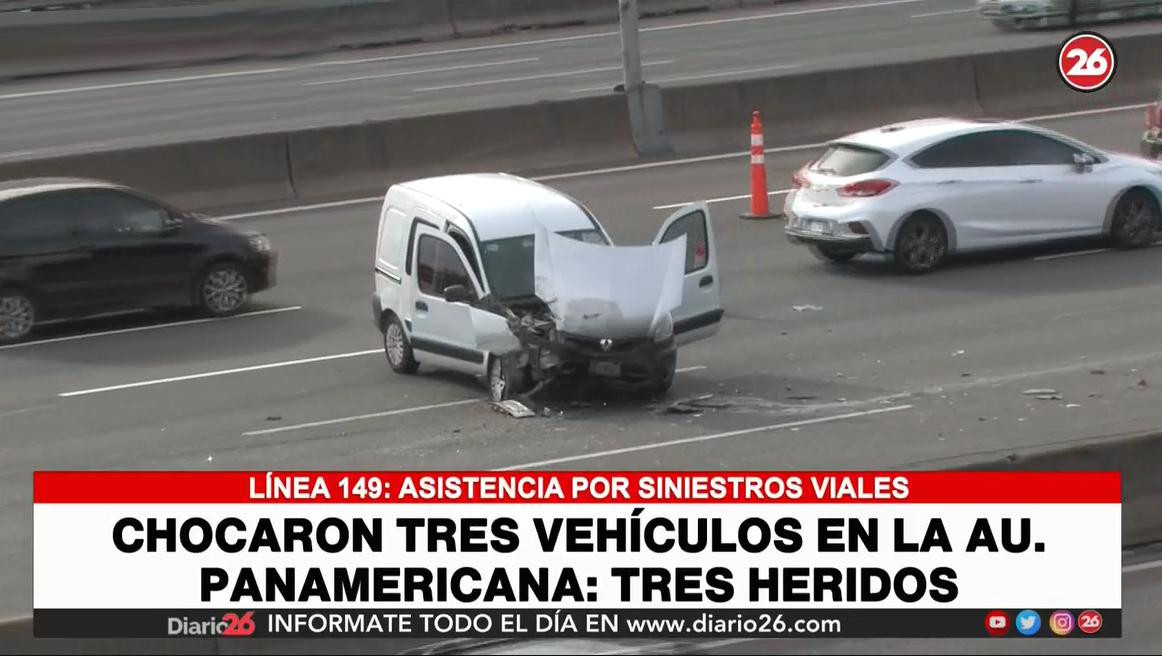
x=706, y=281
x=422, y=306
x=948, y=182
x=1030, y=181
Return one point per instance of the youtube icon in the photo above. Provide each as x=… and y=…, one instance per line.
x=996, y=623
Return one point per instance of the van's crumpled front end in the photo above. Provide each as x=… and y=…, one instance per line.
x=604, y=311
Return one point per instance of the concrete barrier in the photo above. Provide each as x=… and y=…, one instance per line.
x=200, y=174
x=807, y=106
x=1026, y=81
x=1135, y=457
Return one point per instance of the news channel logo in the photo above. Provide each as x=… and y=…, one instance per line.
x=1089, y=621
x=1061, y=622
x=1028, y=622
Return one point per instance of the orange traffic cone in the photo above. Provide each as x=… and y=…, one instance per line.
x=759, y=201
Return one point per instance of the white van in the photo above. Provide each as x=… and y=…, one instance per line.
x=516, y=283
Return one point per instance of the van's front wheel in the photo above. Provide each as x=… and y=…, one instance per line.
x=505, y=381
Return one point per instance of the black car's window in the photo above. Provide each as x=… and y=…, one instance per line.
x=439, y=267
x=112, y=213
x=693, y=225
x=48, y=220
x=847, y=159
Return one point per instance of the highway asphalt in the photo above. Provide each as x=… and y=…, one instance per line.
x=890, y=371
x=102, y=111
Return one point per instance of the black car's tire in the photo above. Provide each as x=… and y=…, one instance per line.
x=832, y=254
x=397, y=348
x=223, y=289
x=1136, y=220
x=17, y=315
x=921, y=244
x=505, y=381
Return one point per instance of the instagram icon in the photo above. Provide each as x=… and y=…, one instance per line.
x=1061, y=622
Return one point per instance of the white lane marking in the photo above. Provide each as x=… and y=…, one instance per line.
x=667, y=163
x=300, y=208
x=723, y=199
x=222, y=372
x=138, y=329
x=1058, y=256
x=1092, y=251
x=780, y=14
x=706, y=438
x=947, y=12
x=1139, y=567
x=699, y=76
x=373, y=415
x=143, y=83
x=422, y=71
x=1086, y=112
x=21, y=411
x=539, y=76
x=683, y=370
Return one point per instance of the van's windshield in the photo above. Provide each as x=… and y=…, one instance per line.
x=509, y=263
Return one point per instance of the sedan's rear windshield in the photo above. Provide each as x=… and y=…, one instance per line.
x=846, y=159
x=509, y=263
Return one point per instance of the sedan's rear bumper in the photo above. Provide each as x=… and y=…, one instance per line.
x=853, y=243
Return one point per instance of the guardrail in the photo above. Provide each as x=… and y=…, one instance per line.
x=119, y=34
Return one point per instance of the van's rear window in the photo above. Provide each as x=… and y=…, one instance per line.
x=846, y=160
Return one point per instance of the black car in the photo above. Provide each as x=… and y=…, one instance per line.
x=72, y=248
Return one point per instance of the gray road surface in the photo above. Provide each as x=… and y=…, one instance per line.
x=935, y=364
x=72, y=113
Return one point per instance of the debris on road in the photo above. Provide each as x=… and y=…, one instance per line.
x=1097, y=372
x=1142, y=383
x=274, y=418
x=694, y=405
x=806, y=308
x=958, y=352
x=1039, y=391
x=514, y=409
x=1048, y=397
x=1073, y=405
x=802, y=397
x=965, y=374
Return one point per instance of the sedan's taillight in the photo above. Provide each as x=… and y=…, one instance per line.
x=866, y=188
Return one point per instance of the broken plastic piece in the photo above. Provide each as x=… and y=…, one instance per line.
x=514, y=409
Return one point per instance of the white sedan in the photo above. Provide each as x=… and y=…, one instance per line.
x=920, y=190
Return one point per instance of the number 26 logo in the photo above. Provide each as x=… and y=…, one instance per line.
x=238, y=626
x=1086, y=62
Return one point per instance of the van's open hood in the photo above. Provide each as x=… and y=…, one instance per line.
x=599, y=291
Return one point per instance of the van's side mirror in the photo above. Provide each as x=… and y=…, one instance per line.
x=457, y=294
x=172, y=224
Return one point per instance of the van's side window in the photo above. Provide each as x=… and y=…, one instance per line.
x=692, y=225
x=394, y=222
x=438, y=267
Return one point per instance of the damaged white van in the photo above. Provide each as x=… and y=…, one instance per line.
x=518, y=284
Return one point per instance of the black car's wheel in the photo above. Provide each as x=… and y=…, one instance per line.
x=17, y=316
x=921, y=244
x=505, y=381
x=1136, y=220
x=398, y=348
x=223, y=289
x=832, y=254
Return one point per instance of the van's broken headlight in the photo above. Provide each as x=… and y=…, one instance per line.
x=665, y=328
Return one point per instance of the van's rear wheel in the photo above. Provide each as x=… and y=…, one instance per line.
x=398, y=348
x=505, y=380
x=17, y=316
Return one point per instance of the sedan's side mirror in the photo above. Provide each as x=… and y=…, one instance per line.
x=1083, y=162
x=457, y=294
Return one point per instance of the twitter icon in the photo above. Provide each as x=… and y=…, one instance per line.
x=1028, y=622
